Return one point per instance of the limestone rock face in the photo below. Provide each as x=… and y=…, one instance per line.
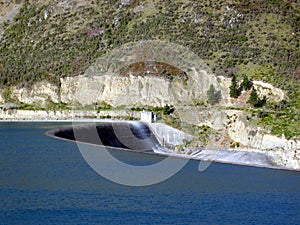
x=290, y=158
x=256, y=137
x=239, y=132
x=272, y=93
x=215, y=119
x=39, y=93
x=68, y=87
x=225, y=83
x=233, y=122
x=136, y=90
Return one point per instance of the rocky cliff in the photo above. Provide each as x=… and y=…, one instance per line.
x=39, y=93
x=133, y=91
x=136, y=91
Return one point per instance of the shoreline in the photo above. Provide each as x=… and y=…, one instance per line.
x=286, y=158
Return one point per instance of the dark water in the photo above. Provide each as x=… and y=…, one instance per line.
x=46, y=181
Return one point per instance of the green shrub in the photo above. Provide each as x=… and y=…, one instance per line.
x=254, y=99
x=246, y=83
x=234, y=91
x=213, y=96
x=7, y=95
x=103, y=106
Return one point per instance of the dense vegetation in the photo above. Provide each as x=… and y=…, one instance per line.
x=260, y=39
x=263, y=35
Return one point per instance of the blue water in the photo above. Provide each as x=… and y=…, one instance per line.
x=46, y=181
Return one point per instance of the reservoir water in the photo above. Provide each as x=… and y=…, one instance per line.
x=47, y=181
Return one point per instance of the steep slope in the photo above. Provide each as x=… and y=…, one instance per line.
x=48, y=40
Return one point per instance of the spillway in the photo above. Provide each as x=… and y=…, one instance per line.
x=140, y=137
x=136, y=136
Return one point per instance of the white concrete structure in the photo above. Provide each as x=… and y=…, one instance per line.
x=147, y=116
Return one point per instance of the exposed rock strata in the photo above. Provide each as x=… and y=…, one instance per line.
x=135, y=90
x=39, y=93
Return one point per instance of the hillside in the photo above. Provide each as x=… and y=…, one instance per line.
x=49, y=40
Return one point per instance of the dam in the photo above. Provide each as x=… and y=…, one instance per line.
x=154, y=138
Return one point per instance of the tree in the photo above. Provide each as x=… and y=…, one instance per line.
x=213, y=95
x=167, y=110
x=254, y=99
x=246, y=83
x=234, y=91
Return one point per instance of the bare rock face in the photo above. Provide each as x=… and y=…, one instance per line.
x=68, y=87
x=39, y=93
x=116, y=90
x=290, y=158
x=255, y=137
x=225, y=83
x=136, y=90
x=215, y=119
x=272, y=93
x=239, y=132
x=153, y=90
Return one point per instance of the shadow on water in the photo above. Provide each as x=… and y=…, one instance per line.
x=135, y=136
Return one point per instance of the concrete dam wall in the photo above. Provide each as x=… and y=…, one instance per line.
x=152, y=138
x=135, y=136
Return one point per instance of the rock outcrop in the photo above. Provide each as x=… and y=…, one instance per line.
x=136, y=90
x=267, y=90
x=256, y=137
x=39, y=93
x=290, y=159
x=153, y=91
